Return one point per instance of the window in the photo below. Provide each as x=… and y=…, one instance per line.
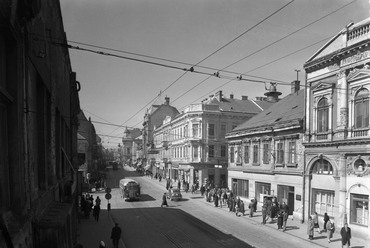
x=238, y=154
x=359, y=209
x=246, y=154
x=362, y=109
x=231, y=154
x=322, y=166
x=255, y=154
x=195, y=150
x=223, y=151
x=266, y=152
x=360, y=166
x=195, y=130
x=223, y=130
x=211, y=151
x=280, y=153
x=241, y=187
x=323, y=201
x=211, y=130
x=292, y=152
x=323, y=116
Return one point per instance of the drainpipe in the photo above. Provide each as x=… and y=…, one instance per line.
x=304, y=186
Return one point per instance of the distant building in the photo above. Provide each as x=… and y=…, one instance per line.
x=131, y=143
x=266, y=153
x=154, y=117
x=192, y=146
x=337, y=140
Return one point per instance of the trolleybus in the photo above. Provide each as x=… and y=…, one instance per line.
x=130, y=189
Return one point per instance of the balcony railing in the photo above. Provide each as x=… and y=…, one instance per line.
x=360, y=133
x=323, y=136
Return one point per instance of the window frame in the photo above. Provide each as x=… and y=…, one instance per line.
x=322, y=115
x=361, y=104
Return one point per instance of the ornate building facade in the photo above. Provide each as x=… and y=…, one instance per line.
x=192, y=146
x=337, y=138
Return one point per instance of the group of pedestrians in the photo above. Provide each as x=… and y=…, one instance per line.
x=329, y=228
x=87, y=205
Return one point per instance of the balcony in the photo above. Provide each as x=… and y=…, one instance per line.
x=360, y=133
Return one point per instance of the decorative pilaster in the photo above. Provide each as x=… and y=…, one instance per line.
x=342, y=103
x=342, y=203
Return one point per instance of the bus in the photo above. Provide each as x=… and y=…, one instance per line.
x=130, y=189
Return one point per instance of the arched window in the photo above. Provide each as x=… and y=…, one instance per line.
x=323, y=116
x=362, y=109
x=322, y=166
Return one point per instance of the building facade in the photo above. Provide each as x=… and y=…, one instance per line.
x=266, y=154
x=192, y=146
x=337, y=140
x=38, y=127
x=131, y=143
x=153, y=118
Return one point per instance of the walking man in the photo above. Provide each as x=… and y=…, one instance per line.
x=164, y=200
x=116, y=235
x=96, y=212
x=345, y=232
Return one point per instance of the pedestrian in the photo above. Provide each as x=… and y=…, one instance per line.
x=101, y=244
x=215, y=199
x=97, y=201
x=116, y=235
x=242, y=209
x=96, y=212
x=164, y=200
x=251, y=208
x=255, y=205
x=285, y=219
x=280, y=219
x=326, y=219
x=264, y=211
x=315, y=220
x=345, y=232
x=329, y=230
x=237, y=206
x=310, y=228
x=178, y=184
x=202, y=189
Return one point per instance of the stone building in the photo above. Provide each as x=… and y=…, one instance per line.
x=38, y=127
x=337, y=139
x=192, y=146
x=154, y=117
x=131, y=143
x=266, y=153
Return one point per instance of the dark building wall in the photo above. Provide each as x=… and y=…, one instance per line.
x=38, y=126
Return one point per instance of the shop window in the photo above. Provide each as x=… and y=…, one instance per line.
x=323, y=202
x=359, y=209
x=323, y=116
x=361, y=110
x=241, y=187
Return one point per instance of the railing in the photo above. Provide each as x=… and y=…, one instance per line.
x=322, y=136
x=358, y=32
x=360, y=133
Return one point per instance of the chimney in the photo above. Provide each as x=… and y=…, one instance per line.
x=167, y=99
x=295, y=86
x=272, y=94
x=231, y=96
x=244, y=98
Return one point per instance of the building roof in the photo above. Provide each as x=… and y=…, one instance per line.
x=131, y=133
x=288, y=111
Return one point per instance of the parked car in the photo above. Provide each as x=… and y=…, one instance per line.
x=174, y=195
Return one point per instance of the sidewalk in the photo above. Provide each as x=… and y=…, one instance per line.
x=90, y=232
x=294, y=227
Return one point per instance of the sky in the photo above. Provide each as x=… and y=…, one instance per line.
x=262, y=40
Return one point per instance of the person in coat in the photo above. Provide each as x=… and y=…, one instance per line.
x=310, y=227
x=164, y=200
x=264, y=211
x=345, y=232
x=315, y=219
x=251, y=208
x=116, y=235
x=326, y=219
x=280, y=219
x=329, y=230
x=285, y=219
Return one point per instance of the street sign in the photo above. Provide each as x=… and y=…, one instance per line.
x=108, y=196
x=108, y=190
